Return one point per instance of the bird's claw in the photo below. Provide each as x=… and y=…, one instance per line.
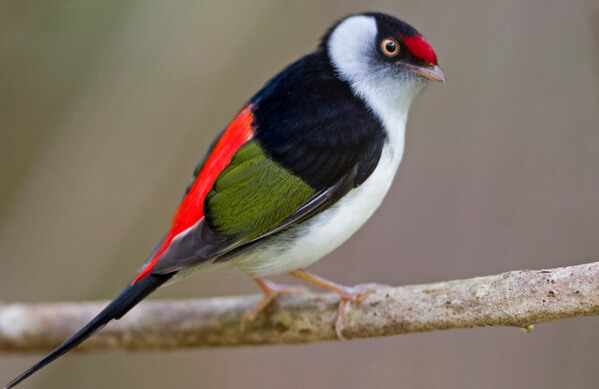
x=271, y=291
x=349, y=294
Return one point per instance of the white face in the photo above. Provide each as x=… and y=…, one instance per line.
x=383, y=85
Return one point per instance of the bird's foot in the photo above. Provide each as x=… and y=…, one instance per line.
x=347, y=294
x=351, y=294
x=271, y=291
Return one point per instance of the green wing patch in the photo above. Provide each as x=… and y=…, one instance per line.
x=253, y=195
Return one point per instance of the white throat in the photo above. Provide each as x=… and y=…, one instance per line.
x=352, y=49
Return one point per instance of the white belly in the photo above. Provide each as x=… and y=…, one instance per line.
x=300, y=246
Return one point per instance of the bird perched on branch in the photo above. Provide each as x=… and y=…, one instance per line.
x=299, y=169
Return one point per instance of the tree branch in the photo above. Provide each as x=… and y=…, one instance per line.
x=517, y=298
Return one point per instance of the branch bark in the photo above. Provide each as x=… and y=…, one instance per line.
x=517, y=298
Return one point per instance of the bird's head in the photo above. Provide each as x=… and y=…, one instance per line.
x=381, y=56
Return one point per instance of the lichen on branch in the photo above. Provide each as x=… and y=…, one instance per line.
x=517, y=298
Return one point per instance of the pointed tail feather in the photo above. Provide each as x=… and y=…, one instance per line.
x=118, y=307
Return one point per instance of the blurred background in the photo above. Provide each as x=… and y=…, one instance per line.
x=105, y=107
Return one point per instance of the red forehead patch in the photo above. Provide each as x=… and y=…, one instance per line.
x=421, y=48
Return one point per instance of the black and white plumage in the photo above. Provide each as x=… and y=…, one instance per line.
x=366, y=112
x=301, y=167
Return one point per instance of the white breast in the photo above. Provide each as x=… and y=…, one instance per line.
x=301, y=245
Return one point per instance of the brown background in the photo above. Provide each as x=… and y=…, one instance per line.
x=105, y=106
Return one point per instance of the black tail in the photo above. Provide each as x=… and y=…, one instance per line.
x=118, y=307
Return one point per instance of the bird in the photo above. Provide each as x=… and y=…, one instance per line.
x=300, y=168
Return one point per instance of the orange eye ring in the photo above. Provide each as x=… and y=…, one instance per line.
x=390, y=47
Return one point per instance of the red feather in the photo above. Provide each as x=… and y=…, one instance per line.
x=191, y=209
x=421, y=48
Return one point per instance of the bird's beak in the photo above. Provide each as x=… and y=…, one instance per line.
x=433, y=73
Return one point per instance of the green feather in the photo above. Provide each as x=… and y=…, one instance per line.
x=254, y=195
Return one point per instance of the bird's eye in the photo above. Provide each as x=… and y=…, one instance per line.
x=390, y=47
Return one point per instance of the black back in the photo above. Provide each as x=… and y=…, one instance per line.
x=311, y=122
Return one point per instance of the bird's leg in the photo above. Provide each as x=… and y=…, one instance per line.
x=347, y=294
x=271, y=290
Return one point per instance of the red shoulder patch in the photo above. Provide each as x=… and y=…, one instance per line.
x=191, y=209
x=421, y=48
